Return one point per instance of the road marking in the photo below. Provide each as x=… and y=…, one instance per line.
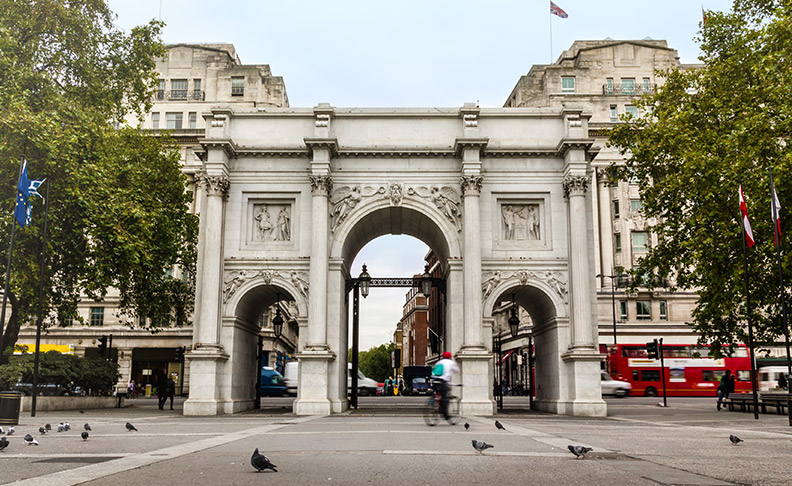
x=91, y=472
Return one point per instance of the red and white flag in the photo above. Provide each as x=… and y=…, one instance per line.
x=775, y=213
x=556, y=10
x=749, y=239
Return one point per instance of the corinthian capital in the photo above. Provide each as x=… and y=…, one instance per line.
x=471, y=185
x=215, y=185
x=321, y=185
x=575, y=186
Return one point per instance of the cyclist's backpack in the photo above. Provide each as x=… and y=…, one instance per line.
x=437, y=370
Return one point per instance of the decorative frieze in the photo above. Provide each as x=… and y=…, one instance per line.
x=445, y=198
x=321, y=185
x=471, y=185
x=554, y=280
x=235, y=279
x=575, y=186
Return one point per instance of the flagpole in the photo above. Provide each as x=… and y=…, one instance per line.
x=748, y=311
x=781, y=291
x=8, y=265
x=40, y=303
x=551, y=38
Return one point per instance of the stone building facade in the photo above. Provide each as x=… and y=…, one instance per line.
x=415, y=330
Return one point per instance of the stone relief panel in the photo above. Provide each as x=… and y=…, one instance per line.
x=520, y=222
x=346, y=198
x=235, y=279
x=555, y=280
x=445, y=198
x=272, y=222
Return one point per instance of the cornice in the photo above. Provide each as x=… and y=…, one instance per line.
x=228, y=146
x=566, y=145
x=469, y=143
x=322, y=143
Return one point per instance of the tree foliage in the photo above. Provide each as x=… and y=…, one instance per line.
x=705, y=129
x=117, y=198
x=96, y=375
x=376, y=362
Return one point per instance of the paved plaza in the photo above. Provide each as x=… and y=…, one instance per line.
x=386, y=442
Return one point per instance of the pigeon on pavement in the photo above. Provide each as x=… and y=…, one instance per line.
x=30, y=440
x=66, y=426
x=481, y=446
x=499, y=425
x=87, y=427
x=42, y=430
x=82, y=411
x=2, y=431
x=260, y=462
x=84, y=435
x=735, y=440
x=3, y=443
x=60, y=427
x=579, y=451
x=467, y=425
x=48, y=427
x=130, y=427
x=11, y=431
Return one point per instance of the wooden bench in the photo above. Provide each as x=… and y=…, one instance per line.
x=745, y=402
x=777, y=400
x=742, y=400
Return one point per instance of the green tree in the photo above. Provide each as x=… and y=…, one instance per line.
x=96, y=375
x=704, y=129
x=118, y=202
x=376, y=362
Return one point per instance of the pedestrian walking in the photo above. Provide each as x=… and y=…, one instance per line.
x=131, y=389
x=171, y=390
x=162, y=390
x=782, y=381
x=725, y=387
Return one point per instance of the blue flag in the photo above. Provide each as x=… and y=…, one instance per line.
x=25, y=189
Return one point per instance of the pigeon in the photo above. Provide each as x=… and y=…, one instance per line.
x=467, y=425
x=481, y=446
x=42, y=430
x=48, y=427
x=66, y=426
x=499, y=425
x=84, y=435
x=130, y=427
x=11, y=431
x=82, y=411
x=735, y=440
x=30, y=440
x=87, y=427
x=579, y=451
x=260, y=462
x=3, y=443
x=60, y=428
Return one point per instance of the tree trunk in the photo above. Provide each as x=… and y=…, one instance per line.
x=11, y=330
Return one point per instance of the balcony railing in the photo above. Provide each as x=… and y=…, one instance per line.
x=180, y=94
x=627, y=90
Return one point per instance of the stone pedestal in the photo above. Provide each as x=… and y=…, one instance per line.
x=206, y=365
x=312, y=397
x=476, y=382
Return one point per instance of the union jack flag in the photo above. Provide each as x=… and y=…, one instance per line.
x=556, y=10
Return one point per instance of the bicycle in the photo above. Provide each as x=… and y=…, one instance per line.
x=433, y=412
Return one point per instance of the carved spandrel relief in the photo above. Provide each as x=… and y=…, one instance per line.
x=554, y=280
x=272, y=222
x=396, y=193
x=346, y=198
x=235, y=279
x=444, y=198
x=520, y=222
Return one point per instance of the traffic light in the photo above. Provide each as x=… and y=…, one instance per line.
x=102, y=346
x=653, y=350
x=179, y=354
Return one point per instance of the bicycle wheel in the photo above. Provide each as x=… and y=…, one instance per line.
x=432, y=412
x=453, y=410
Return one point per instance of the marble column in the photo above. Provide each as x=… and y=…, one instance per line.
x=605, y=224
x=317, y=305
x=471, y=190
x=583, y=335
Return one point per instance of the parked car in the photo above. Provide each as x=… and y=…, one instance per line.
x=614, y=387
x=420, y=386
x=48, y=390
x=271, y=383
x=366, y=386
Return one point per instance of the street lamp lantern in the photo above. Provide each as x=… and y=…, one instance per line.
x=363, y=281
x=426, y=282
x=277, y=321
x=514, y=321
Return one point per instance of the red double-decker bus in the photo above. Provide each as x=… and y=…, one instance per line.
x=689, y=371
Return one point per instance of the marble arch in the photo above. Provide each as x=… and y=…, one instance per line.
x=500, y=194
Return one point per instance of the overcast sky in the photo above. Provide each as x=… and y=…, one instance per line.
x=409, y=53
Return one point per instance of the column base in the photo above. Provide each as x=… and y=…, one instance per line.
x=583, y=365
x=474, y=362
x=313, y=382
x=205, y=364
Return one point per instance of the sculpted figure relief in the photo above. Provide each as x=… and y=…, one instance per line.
x=520, y=221
x=284, y=225
x=345, y=199
x=266, y=230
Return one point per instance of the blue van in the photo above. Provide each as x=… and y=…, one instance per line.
x=271, y=382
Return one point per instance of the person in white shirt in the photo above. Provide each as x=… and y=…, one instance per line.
x=443, y=370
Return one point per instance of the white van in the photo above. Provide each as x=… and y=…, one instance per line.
x=290, y=374
x=366, y=386
x=768, y=377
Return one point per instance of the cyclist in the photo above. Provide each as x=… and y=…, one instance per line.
x=442, y=372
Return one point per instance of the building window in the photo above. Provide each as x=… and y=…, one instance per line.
x=643, y=310
x=636, y=205
x=173, y=121
x=614, y=114
x=663, y=310
x=617, y=242
x=155, y=121
x=193, y=120
x=631, y=110
x=623, y=310
x=178, y=89
x=640, y=241
x=615, y=209
x=161, y=90
x=237, y=85
x=197, y=94
x=567, y=84
x=609, y=86
x=628, y=86
x=97, y=316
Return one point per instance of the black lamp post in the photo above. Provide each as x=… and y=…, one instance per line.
x=613, y=299
x=426, y=282
x=277, y=321
x=364, y=280
x=514, y=321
